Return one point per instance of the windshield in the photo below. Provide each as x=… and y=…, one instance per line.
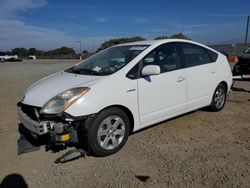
x=247, y=51
x=108, y=61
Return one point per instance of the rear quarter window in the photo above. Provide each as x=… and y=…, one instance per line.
x=195, y=55
x=213, y=56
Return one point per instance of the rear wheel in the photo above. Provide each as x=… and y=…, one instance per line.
x=108, y=132
x=219, y=98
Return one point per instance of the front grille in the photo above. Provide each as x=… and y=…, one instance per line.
x=30, y=111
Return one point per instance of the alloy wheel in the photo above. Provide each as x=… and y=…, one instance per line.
x=111, y=132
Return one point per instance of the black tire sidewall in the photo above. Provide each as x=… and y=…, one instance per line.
x=94, y=146
x=213, y=106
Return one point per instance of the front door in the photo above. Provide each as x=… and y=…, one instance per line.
x=164, y=95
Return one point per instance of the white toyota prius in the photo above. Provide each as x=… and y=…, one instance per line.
x=102, y=100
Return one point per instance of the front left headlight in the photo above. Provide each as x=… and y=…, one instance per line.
x=62, y=101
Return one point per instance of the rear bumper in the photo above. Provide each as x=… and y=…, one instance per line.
x=33, y=126
x=242, y=77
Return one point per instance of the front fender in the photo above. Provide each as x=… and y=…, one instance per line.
x=115, y=92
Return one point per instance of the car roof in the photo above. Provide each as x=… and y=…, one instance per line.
x=151, y=42
x=162, y=41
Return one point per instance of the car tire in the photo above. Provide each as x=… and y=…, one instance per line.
x=236, y=70
x=108, y=131
x=219, y=98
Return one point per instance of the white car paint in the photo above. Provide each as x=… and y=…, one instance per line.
x=162, y=96
x=44, y=90
x=150, y=101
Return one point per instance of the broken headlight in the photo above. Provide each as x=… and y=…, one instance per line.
x=62, y=101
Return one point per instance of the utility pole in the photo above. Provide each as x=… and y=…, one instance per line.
x=247, y=31
x=80, y=46
x=93, y=44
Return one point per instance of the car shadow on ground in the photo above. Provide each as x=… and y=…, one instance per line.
x=240, y=89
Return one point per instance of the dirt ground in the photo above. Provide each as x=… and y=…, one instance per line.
x=199, y=149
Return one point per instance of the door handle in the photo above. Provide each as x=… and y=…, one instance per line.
x=213, y=71
x=180, y=79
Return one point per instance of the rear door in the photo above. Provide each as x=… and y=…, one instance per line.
x=201, y=74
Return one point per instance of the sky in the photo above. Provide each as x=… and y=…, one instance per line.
x=49, y=24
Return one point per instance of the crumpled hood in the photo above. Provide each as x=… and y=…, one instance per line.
x=45, y=89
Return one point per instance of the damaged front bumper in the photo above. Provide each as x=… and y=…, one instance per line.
x=53, y=131
x=36, y=127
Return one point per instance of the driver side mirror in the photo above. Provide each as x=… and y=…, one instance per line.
x=150, y=70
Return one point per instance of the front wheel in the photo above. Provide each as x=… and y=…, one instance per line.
x=219, y=98
x=108, y=132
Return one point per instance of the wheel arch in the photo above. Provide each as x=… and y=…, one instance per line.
x=128, y=113
x=225, y=84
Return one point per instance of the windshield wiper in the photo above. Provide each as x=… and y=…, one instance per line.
x=88, y=71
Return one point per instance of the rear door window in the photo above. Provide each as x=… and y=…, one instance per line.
x=195, y=55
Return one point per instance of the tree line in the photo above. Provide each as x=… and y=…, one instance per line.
x=24, y=53
x=113, y=42
x=70, y=52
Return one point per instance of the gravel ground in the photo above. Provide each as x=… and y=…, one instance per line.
x=199, y=149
